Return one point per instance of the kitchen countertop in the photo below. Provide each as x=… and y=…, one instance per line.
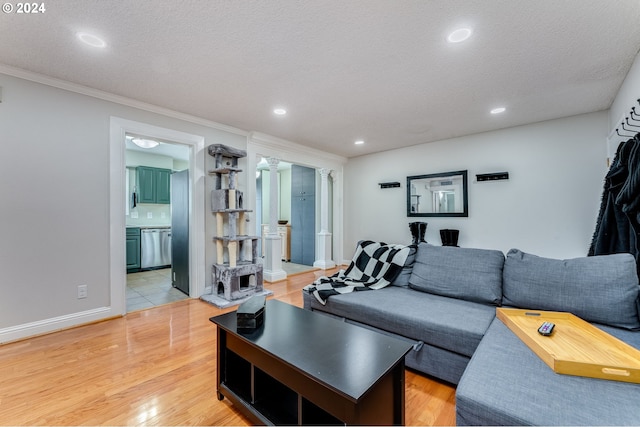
x=148, y=226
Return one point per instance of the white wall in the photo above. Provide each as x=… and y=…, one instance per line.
x=627, y=97
x=135, y=158
x=547, y=207
x=620, y=110
x=54, y=213
x=266, y=194
x=285, y=194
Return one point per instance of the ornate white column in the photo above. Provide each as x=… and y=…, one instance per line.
x=273, y=245
x=323, y=241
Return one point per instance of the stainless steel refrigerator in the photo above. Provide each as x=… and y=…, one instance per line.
x=180, y=230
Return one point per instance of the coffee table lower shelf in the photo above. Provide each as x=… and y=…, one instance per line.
x=266, y=400
x=273, y=403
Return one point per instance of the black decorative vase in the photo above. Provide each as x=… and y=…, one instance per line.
x=418, y=231
x=449, y=237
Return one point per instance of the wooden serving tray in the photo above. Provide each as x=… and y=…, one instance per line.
x=575, y=347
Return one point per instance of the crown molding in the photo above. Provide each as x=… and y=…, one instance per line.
x=117, y=99
x=270, y=144
x=278, y=147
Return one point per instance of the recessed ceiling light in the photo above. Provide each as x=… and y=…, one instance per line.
x=459, y=35
x=359, y=142
x=498, y=110
x=91, y=40
x=280, y=111
x=145, y=143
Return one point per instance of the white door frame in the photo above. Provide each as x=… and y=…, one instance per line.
x=117, y=196
x=259, y=144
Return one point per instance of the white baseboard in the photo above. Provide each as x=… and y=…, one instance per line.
x=324, y=264
x=274, y=275
x=40, y=327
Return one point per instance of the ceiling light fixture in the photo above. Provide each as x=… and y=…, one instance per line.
x=280, y=111
x=498, y=110
x=459, y=35
x=145, y=143
x=91, y=39
x=359, y=142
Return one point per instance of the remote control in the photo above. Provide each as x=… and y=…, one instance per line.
x=546, y=328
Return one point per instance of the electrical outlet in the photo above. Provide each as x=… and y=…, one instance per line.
x=82, y=291
x=149, y=215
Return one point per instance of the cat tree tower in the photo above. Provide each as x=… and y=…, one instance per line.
x=234, y=278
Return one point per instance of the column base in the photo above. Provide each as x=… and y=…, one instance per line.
x=323, y=251
x=274, y=276
x=272, y=269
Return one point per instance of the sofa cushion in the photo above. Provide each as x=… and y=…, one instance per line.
x=505, y=383
x=448, y=323
x=602, y=289
x=464, y=273
x=405, y=273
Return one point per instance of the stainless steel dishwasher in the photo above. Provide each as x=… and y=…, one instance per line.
x=165, y=246
x=155, y=247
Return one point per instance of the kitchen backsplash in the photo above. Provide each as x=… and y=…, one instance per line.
x=149, y=215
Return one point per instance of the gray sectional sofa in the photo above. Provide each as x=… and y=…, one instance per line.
x=444, y=302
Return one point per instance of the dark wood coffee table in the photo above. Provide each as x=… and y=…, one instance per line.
x=304, y=368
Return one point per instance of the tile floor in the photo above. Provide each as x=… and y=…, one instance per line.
x=151, y=288
x=292, y=268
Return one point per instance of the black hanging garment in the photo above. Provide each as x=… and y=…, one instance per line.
x=629, y=198
x=618, y=225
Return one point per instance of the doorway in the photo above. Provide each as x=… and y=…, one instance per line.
x=296, y=213
x=120, y=201
x=157, y=210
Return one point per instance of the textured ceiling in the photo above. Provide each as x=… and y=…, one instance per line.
x=377, y=70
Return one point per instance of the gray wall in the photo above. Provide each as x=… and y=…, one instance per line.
x=54, y=184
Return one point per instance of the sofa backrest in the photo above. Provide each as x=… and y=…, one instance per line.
x=602, y=289
x=463, y=273
x=405, y=274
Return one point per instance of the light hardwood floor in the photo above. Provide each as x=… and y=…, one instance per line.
x=152, y=367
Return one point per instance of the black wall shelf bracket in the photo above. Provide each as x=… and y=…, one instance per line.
x=389, y=184
x=492, y=176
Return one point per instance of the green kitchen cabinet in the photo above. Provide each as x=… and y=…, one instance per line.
x=146, y=182
x=153, y=185
x=133, y=249
x=163, y=186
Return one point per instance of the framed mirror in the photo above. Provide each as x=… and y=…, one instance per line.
x=438, y=194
